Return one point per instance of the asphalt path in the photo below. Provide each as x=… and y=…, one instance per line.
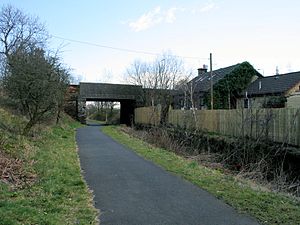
x=130, y=190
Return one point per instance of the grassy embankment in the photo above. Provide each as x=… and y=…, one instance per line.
x=44, y=185
x=266, y=206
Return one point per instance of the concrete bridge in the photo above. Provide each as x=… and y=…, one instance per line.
x=129, y=96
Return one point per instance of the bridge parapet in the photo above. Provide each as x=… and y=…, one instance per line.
x=104, y=91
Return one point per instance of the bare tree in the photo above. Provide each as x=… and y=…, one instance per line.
x=138, y=73
x=168, y=69
x=19, y=30
x=162, y=73
x=159, y=78
x=188, y=89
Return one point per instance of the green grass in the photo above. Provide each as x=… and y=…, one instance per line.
x=267, y=207
x=96, y=122
x=60, y=195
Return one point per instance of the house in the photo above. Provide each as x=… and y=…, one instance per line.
x=227, y=83
x=293, y=101
x=272, y=92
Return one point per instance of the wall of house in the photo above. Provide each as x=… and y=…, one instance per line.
x=255, y=102
x=294, y=89
x=293, y=101
x=292, y=96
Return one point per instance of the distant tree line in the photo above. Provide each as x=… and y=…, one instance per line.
x=104, y=111
x=31, y=76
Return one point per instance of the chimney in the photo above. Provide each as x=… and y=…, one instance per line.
x=277, y=70
x=202, y=70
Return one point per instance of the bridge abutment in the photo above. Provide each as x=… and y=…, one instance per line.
x=82, y=111
x=127, y=112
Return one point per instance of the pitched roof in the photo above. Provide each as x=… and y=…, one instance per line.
x=202, y=82
x=276, y=84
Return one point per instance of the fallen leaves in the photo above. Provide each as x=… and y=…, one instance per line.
x=14, y=173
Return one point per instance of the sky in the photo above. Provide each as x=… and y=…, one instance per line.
x=264, y=33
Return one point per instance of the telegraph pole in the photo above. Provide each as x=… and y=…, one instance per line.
x=211, y=84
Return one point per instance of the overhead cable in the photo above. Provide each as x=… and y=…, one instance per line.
x=117, y=48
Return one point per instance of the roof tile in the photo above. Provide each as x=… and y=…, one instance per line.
x=202, y=82
x=276, y=84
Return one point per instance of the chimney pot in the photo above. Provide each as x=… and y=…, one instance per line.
x=202, y=70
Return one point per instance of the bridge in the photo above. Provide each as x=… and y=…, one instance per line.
x=129, y=96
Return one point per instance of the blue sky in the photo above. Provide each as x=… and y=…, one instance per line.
x=264, y=33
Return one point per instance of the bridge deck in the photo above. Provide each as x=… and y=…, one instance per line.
x=103, y=91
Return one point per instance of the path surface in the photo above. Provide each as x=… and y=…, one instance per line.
x=132, y=191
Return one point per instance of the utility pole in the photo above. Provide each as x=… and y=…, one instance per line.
x=211, y=84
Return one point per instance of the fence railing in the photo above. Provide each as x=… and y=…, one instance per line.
x=280, y=125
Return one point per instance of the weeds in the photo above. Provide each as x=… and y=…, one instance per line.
x=16, y=165
x=267, y=163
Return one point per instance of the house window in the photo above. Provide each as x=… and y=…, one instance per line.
x=181, y=103
x=201, y=102
x=246, y=103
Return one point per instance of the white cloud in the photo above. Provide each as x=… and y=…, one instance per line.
x=154, y=17
x=170, y=15
x=157, y=16
x=208, y=7
x=205, y=8
x=147, y=20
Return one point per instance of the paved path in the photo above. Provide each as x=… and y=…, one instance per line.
x=132, y=191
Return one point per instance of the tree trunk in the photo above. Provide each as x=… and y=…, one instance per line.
x=28, y=127
x=58, y=116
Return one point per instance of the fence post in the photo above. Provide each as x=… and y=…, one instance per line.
x=285, y=126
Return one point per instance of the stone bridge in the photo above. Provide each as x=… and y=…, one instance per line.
x=129, y=96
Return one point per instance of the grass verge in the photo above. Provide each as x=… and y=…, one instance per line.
x=267, y=207
x=59, y=195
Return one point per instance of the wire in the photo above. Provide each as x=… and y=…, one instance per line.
x=118, y=49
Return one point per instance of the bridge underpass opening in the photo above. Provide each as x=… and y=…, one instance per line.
x=111, y=111
x=104, y=111
x=129, y=97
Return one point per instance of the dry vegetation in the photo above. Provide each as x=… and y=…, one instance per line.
x=16, y=163
x=14, y=172
x=264, y=163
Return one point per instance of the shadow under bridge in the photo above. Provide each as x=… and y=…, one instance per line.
x=129, y=96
